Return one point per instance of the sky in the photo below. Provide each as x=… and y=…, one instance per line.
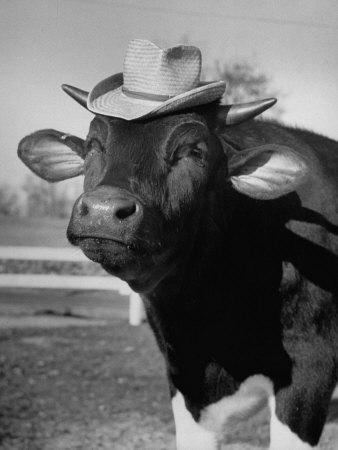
x=44, y=43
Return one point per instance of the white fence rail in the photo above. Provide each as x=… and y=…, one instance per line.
x=43, y=254
x=47, y=281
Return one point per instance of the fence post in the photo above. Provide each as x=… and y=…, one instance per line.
x=136, y=309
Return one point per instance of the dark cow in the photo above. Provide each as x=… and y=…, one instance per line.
x=229, y=234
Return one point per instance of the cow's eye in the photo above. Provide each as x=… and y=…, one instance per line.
x=195, y=151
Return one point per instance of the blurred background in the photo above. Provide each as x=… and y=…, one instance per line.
x=73, y=372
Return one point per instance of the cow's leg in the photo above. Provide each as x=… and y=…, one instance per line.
x=298, y=411
x=190, y=435
x=281, y=436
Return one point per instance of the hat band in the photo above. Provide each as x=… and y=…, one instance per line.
x=146, y=95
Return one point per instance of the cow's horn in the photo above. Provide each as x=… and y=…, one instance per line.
x=233, y=114
x=77, y=94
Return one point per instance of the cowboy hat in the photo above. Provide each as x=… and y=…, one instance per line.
x=155, y=82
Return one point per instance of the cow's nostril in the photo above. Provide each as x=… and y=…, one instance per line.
x=125, y=211
x=84, y=210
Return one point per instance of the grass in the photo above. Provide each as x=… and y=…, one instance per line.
x=34, y=231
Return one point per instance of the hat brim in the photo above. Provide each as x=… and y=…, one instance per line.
x=108, y=99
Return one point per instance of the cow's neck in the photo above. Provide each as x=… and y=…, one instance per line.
x=209, y=288
x=215, y=307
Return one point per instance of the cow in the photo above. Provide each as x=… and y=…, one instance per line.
x=226, y=225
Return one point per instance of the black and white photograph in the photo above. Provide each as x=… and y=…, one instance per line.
x=169, y=224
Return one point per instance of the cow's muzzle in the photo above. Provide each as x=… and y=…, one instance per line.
x=105, y=213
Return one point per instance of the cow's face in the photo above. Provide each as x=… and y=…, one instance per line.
x=150, y=189
x=146, y=187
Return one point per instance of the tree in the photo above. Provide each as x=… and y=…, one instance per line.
x=244, y=83
x=9, y=201
x=45, y=199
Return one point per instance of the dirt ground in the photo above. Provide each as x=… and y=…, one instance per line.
x=70, y=379
x=83, y=388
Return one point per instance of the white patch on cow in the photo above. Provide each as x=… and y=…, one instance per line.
x=252, y=394
x=281, y=437
x=207, y=432
x=190, y=435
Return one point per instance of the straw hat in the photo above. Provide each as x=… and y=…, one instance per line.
x=154, y=82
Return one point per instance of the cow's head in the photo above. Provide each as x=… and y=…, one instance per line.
x=151, y=187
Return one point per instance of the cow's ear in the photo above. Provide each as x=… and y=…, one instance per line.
x=52, y=155
x=267, y=172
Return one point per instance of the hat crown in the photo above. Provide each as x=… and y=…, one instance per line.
x=149, y=69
